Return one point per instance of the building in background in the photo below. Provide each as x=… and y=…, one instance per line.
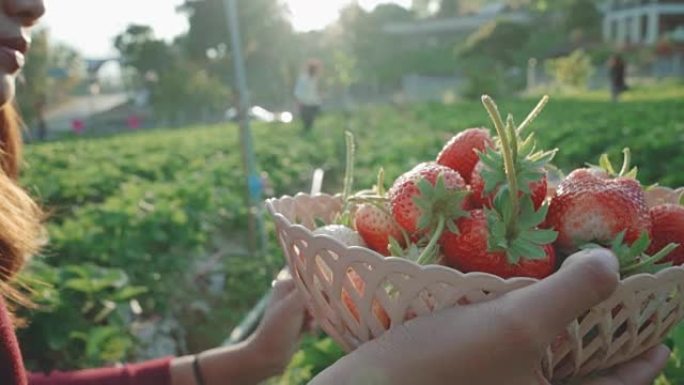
x=643, y=22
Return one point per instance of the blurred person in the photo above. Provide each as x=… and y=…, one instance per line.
x=307, y=94
x=616, y=71
x=497, y=342
x=77, y=126
x=133, y=121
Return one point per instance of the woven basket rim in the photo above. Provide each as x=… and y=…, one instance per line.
x=270, y=206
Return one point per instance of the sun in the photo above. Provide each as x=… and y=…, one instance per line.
x=309, y=15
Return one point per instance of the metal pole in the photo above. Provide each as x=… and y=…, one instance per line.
x=254, y=183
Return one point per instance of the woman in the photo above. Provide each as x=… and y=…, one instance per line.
x=263, y=355
x=616, y=69
x=498, y=342
x=308, y=95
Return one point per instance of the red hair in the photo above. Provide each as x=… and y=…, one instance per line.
x=20, y=217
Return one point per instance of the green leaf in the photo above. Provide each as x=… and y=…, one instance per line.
x=539, y=237
x=605, y=163
x=452, y=227
x=129, y=292
x=502, y=204
x=522, y=249
x=438, y=201
x=497, y=231
x=632, y=173
x=394, y=247
x=318, y=222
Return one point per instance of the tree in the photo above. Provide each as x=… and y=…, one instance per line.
x=33, y=85
x=583, y=16
x=268, y=43
x=572, y=71
x=50, y=76
x=140, y=50
x=380, y=58
x=487, y=55
x=499, y=41
x=186, y=91
x=578, y=16
x=449, y=8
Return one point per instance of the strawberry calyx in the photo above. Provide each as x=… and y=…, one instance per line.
x=511, y=167
x=377, y=197
x=441, y=208
x=411, y=252
x=634, y=259
x=528, y=241
x=606, y=166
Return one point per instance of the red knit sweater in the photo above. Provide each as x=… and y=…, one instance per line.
x=12, y=371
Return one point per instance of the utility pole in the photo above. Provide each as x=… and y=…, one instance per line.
x=257, y=237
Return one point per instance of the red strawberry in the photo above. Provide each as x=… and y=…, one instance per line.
x=360, y=287
x=376, y=226
x=668, y=227
x=478, y=199
x=467, y=251
x=461, y=152
x=405, y=197
x=588, y=207
x=505, y=239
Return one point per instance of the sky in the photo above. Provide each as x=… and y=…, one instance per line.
x=90, y=25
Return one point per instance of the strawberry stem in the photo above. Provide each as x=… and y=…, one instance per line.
x=349, y=165
x=650, y=260
x=533, y=114
x=428, y=253
x=626, y=160
x=381, y=182
x=509, y=163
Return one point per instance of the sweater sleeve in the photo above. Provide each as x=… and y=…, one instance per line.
x=155, y=372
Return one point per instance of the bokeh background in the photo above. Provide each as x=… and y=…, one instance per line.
x=135, y=150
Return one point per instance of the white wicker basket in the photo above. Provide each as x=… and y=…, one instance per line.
x=637, y=317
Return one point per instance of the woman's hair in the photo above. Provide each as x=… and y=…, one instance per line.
x=313, y=67
x=20, y=217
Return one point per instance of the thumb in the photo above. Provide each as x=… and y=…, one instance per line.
x=586, y=279
x=282, y=288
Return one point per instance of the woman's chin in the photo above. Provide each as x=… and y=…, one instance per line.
x=6, y=89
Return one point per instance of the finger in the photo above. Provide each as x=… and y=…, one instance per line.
x=293, y=307
x=295, y=300
x=311, y=325
x=585, y=280
x=640, y=371
x=541, y=380
x=281, y=288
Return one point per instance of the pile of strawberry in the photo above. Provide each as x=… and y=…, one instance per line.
x=487, y=204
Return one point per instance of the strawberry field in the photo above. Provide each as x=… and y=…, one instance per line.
x=148, y=228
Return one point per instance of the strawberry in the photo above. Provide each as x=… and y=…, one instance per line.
x=468, y=251
x=376, y=226
x=341, y=233
x=417, y=200
x=638, y=257
x=478, y=199
x=461, y=152
x=504, y=239
x=668, y=227
x=426, y=200
x=591, y=207
x=360, y=287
